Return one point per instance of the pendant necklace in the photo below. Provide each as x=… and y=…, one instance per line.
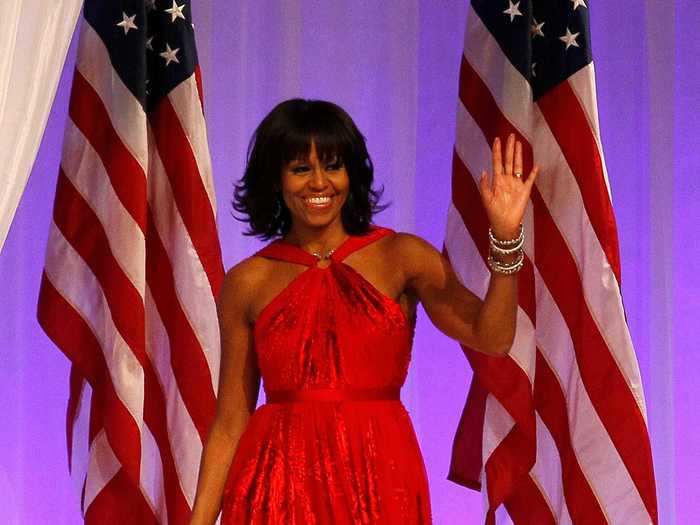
x=321, y=256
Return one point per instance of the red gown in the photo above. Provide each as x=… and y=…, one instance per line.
x=333, y=444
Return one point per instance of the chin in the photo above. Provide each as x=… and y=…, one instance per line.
x=320, y=221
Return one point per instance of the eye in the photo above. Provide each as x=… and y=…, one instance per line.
x=299, y=169
x=334, y=166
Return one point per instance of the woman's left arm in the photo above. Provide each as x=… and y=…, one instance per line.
x=488, y=325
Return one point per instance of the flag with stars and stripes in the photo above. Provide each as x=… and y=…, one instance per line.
x=133, y=264
x=555, y=432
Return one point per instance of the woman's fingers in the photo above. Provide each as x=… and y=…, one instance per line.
x=518, y=162
x=485, y=187
x=510, y=150
x=497, y=158
x=512, y=164
x=532, y=177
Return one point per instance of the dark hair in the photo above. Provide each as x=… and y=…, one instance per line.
x=285, y=135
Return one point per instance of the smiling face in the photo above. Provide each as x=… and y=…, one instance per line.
x=314, y=190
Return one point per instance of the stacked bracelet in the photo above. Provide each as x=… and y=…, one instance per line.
x=501, y=248
x=506, y=269
x=516, y=243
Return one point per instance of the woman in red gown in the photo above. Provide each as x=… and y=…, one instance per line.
x=324, y=314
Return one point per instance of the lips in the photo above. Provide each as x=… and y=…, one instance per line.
x=318, y=202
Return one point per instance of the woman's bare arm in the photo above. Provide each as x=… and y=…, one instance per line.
x=488, y=326
x=239, y=383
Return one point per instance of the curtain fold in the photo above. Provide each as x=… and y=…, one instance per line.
x=34, y=41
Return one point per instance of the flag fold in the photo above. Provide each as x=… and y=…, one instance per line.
x=556, y=432
x=133, y=265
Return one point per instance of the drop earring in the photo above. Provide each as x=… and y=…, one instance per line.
x=277, y=208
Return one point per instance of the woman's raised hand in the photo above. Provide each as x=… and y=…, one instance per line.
x=506, y=194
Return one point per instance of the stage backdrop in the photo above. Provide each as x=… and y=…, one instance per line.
x=393, y=65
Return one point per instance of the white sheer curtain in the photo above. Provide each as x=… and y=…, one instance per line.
x=33, y=42
x=393, y=65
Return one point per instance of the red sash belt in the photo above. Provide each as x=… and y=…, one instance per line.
x=334, y=394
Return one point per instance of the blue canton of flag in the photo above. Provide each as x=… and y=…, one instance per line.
x=150, y=43
x=546, y=40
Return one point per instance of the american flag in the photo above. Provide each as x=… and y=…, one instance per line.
x=556, y=432
x=133, y=264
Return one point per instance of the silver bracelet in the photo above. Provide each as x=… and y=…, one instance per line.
x=505, y=268
x=509, y=243
x=507, y=251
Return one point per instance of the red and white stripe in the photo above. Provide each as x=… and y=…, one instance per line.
x=564, y=437
x=133, y=266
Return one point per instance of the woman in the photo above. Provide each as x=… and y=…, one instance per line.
x=325, y=314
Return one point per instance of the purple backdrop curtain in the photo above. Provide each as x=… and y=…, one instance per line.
x=394, y=65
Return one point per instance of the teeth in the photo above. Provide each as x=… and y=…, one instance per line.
x=318, y=200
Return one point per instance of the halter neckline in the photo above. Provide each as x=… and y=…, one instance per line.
x=286, y=251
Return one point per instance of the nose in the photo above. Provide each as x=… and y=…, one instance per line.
x=318, y=179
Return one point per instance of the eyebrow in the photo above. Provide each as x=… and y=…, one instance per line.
x=330, y=160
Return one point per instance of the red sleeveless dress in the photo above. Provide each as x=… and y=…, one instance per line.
x=333, y=444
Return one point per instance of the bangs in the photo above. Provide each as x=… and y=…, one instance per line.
x=329, y=135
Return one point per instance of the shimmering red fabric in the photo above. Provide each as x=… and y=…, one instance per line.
x=322, y=453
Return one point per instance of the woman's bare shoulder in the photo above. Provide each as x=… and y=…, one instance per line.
x=406, y=244
x=410, y=254
x=244, y=278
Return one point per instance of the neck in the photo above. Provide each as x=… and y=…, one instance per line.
x=320, y=239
